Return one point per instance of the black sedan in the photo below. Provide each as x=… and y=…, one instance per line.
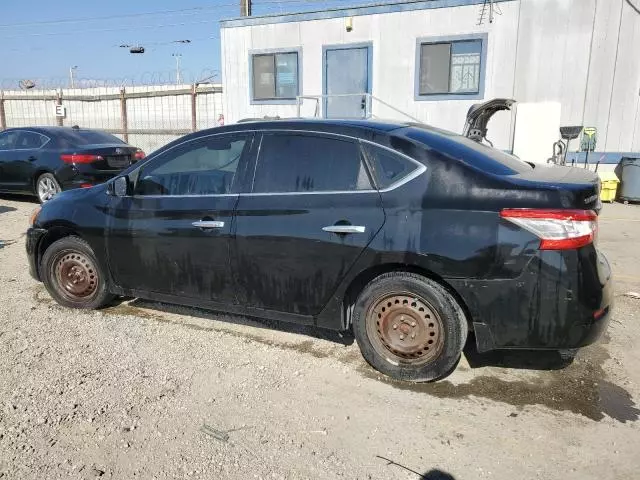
x=43, y=161
x=409, y=235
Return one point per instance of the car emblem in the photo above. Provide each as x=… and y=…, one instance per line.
x=118, y=151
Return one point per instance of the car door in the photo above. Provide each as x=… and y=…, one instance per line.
x=311, y=212
x=171, y=235
x=7, y=143
x=22, y=161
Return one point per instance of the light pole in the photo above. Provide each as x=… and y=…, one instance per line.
x=177, y=56
x=71, y=70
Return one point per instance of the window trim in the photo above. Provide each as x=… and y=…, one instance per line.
x=275, y=101
x=252, y=158
x=483, y=37
x=20, y=130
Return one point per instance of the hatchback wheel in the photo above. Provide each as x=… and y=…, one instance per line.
x=409, y=327
x=47, y=187
x=72, y=275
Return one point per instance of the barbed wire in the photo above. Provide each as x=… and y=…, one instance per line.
x=149, y=78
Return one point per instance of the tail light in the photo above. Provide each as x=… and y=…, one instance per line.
x=139, y=155
x=557, y=229
x=80, y=158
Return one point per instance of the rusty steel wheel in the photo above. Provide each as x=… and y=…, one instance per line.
x=73, y=275
x=76, y=276
x=406, y=327
x=409, y=327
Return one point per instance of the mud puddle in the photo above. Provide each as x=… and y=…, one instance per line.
x=580, y=388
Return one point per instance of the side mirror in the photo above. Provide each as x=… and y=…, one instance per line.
x=120, y=186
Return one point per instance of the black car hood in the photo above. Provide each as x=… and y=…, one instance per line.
x=479, y=115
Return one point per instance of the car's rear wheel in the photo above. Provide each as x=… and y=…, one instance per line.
x=409, y=327
x=73, y=276
x=47, y=187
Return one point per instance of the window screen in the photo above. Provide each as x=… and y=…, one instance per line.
x=388, y=167
x=306, y=163
x=200, y=167
x=275, y=76
x=450, y=67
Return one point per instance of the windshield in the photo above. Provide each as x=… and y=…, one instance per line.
x=489, y=159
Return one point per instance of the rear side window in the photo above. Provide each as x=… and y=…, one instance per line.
x=388, y=167
x=309, y=163
x=30, y=140
x=80, y=138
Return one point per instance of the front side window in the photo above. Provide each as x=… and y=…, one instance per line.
x=8, y=140
x=275, y=76
x=450, y=67
x=205, y=166
x=309, y=163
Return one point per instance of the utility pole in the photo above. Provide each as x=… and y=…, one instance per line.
x=71, y=70
x=245, y=8
x=177, y=56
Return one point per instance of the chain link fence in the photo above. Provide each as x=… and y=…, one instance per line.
x=147, y=117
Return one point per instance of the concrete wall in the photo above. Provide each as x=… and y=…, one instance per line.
x=580, y=54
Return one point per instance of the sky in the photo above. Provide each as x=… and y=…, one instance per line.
x=42, y=39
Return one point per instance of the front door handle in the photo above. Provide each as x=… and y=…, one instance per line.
x=345, y=229
x=32, y=158
x=208, y=224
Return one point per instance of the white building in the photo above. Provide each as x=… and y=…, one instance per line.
x=566, y=62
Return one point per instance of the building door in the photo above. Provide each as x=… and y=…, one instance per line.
x=347, y=81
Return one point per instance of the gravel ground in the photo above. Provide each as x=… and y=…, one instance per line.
x=148, y=390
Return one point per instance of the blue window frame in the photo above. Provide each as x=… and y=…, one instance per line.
x=274, y=76
x=449, y=68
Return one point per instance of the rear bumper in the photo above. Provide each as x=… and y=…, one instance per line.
x=34, y=235
x=80, y=176
x=563, y=308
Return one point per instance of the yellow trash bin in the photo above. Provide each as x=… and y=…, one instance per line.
x=609, y=182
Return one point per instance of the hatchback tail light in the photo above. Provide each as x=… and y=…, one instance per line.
x=557, y=229
x=139, y=155
x=80, y=158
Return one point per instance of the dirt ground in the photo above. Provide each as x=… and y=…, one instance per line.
x=148, y=390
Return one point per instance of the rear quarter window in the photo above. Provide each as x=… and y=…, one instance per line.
x=388, y=167
x=478, y=155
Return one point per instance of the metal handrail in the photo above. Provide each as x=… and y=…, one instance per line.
x=368, y=104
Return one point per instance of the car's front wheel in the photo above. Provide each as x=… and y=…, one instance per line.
x=73, y=276
x=409, y=327
x=47, y=187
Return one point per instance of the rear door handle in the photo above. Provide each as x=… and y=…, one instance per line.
x=345, y=229
x=208, y=224
x=32, y=158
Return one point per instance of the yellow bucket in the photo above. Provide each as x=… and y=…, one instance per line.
x=609, y=182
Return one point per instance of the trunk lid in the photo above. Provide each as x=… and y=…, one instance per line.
x=115, y=157
x=578, y=188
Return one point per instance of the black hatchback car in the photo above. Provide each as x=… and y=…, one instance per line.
x=409, y=235
x=42, y=161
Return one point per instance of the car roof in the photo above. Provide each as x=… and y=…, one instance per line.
x=50, y=129
x=325, y=125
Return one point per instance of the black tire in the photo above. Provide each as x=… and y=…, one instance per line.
x=72, y=275
x=46, y=187
x=399, y=306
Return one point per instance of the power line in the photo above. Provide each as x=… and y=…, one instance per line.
x=76, y=32
x=182, y=11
